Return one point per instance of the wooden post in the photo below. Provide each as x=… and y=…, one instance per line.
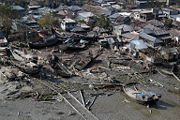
x=82, y=97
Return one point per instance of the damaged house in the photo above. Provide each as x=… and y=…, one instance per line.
x=68, y=24
x=150, y=55
x=144, y=16
x=3, y=44
x=170, y=55
x=85, y=16
x=125, y=33
x=175, y=36
x=154, y=36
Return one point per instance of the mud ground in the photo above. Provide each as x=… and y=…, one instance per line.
x=113, y=104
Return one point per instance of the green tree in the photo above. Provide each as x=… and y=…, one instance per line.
x=48, y=21
x=102, y=22
x=6, y=17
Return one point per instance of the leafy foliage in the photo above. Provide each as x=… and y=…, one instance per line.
x=48, y=21
x=6, y=17
x=102, y=22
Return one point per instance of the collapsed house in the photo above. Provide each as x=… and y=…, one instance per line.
x=170, y=55
x=3, y=45
x=68, y=24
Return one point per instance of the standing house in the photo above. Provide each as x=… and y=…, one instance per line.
x=68, y=24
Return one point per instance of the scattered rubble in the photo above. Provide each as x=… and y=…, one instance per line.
x=96, y=46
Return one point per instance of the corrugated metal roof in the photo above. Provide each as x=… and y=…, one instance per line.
x=147, y=37
x=160, y=32
x=156, y=23
x=155, y=30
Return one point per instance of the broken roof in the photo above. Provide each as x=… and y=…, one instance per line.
x=172, y=50
x=174, y=32
x=131, y=35
x=138, y=44
x=83, y=25
x=100, y=30
x=33, y=6
x=61, y=12
x=151, y=27
x=148, y=37
x=160, y=32
x=61, y=7
x=156, y=23
x=125, y=13
x=74, y=8
x=124, y=27
x=117, y=7
x=69, y=20
x=86, y=14
x=115, y=15
x=77, y=29
x=154, y=30
x=17, y=7
x=97, y=10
